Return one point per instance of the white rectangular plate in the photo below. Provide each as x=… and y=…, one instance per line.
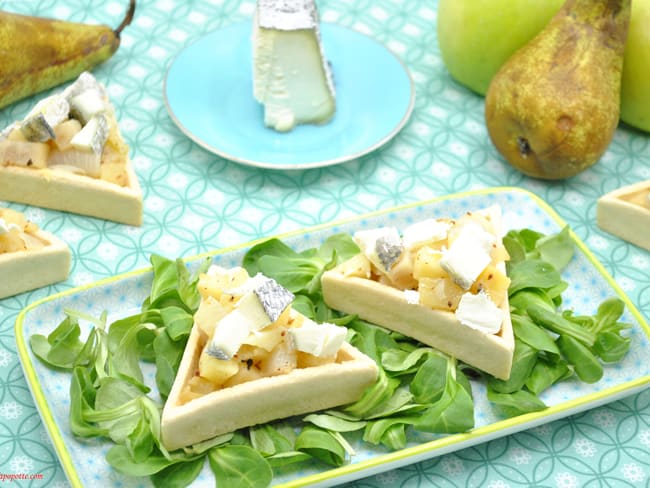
x=84, y=462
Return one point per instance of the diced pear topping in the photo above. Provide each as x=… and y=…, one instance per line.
x=76, y=161
x=17, y=233
x=19, y=153
x=261, y=302
x=65, y=131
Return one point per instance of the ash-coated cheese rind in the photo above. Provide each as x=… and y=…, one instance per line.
x=273, y=297
x=291, y=75
x=287, y=14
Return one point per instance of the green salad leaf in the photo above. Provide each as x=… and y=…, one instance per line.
x=239, y=466
x=552, y=344
x=61, y=347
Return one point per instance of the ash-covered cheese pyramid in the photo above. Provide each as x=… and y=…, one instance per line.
x=68, y=154
x=291, y=76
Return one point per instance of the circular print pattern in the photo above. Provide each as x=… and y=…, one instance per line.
x=196, y=201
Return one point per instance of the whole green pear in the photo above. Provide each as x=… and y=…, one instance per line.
x=635, y=83
x=476, y=37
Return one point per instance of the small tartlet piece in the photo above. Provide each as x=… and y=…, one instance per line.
x=625, y=213
x=282, y=365
x=436, y=285
x=68, y=154
x=30, y=258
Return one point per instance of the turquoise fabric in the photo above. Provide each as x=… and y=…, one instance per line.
x=195, y=202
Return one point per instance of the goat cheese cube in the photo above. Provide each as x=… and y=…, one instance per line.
x=93, y=135
x=424, y=232
x=87, y=104
x=468, y=255
x=40, y=122
x=479, y=312
x=322, y=340
x=382, y=246
x=265, y=301
x=229, y=334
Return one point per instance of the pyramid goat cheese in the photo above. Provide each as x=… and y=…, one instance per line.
x=291, y=76
x=251, y=359
x=443, y=283
x=29, y=257
x=625, y=213
x=68, y=154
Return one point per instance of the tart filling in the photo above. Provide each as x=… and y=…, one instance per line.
x=440, y=281
x=251, y=358
x=29, y=256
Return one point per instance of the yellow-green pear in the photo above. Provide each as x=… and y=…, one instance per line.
x=635, y=85
x=553, y=107
x=38, y=53
x=476, y=37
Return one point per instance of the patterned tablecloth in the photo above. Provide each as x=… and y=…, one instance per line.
x=195, y=202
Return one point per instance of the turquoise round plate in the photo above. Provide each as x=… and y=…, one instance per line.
x=209, y=94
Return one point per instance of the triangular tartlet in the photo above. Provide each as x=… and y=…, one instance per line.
x=68, y=154
x=625, y=213
x=273, y=376
x=416, y=296
x=29, y=257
